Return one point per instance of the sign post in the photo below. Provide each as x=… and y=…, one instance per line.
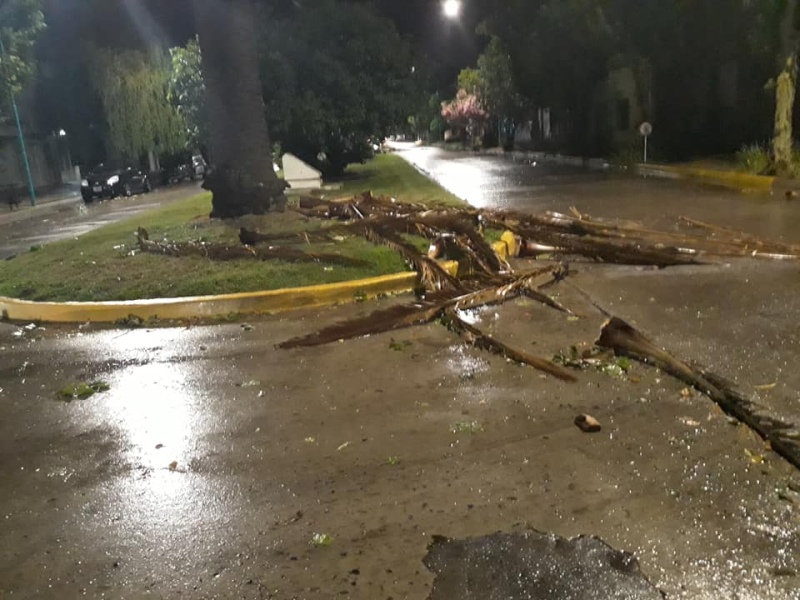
x=645, y=129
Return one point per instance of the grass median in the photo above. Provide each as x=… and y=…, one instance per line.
x=106, y=264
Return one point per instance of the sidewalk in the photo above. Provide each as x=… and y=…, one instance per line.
x=66, y=194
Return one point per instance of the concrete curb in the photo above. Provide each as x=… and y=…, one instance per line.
x=735, y=180
x=272, y=301
x=728, y=179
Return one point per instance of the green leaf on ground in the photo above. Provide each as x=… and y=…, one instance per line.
x=399, y=345
x=321, y=539
x=82, y=390
x=465, y=427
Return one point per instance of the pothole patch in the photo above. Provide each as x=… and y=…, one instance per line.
x=534, y=566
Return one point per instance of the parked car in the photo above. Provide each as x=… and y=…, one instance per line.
x=189, y=168
x=109, y=182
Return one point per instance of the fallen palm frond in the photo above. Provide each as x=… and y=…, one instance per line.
x=475, y=337
x=390, y=319
x=419, y=313
x=460, y=225
x=631, y=243
x=432, y=276
x=248, y=237
x=625, y=340
x=225, y=252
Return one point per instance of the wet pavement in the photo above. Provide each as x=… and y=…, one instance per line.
x=71, y=217
x=530, y=186
x=217, y=466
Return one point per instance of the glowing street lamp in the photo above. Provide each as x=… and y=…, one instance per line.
x=452, y=8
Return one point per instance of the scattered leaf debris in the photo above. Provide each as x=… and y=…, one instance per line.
x=82, y=390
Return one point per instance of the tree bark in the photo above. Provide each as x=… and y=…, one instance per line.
x=242, y=179
x=785, y=90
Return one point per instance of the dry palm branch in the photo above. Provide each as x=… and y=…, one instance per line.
x=432, y=276
x=633, y=244
x=475, y=337
x=446, y=308
x=421, y=312
x=226, y=252
x=624, y=339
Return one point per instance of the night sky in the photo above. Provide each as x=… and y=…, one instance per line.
x=452, y=45
x=448, y=45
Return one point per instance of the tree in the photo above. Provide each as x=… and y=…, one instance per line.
x=133, y=89
x=470, y=80
x=20, y=23
x=465, y=113
x=242, y=181
x=336, y=75
x=498, y=89
x=785, y=88
x=187, y=91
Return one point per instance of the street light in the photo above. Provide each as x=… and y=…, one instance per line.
x=21, y=135
x=451, y=8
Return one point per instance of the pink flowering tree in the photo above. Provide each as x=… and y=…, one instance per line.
x=465, y=114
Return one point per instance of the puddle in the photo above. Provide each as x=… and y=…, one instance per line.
x=533, y=565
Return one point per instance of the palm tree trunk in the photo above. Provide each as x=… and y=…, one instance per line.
x=242, y=180
x=782, y=142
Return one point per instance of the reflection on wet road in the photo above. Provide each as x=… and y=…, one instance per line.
x=502, y=182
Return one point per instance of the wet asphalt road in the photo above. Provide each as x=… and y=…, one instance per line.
x=49, y=222
x=500, y=182
x=207, y=468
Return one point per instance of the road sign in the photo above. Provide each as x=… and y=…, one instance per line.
x=645, y=129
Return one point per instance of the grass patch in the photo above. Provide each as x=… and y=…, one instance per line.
x=390, y=175
x=106, y=264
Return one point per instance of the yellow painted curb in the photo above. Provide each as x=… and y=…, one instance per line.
x=729, y=179
x=212, y=306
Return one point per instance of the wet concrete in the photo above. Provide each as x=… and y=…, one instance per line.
x=19, y=230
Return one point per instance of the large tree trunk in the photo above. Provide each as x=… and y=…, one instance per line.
x=785, y=93
x=242, y=180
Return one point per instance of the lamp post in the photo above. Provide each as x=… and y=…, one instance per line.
x=21, y=135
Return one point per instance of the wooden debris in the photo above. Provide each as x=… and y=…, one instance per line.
x=418, y=313
x=625, y=340
x=225, y=252
x=475, y=337
x=588, y=424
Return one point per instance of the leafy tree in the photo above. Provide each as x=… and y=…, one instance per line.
x=243, y=181
x=335, y=76
x=464, y=113
x=187, y=91
x=133, y=88
x=498, y=89
x=470, y=80
x=20, y=23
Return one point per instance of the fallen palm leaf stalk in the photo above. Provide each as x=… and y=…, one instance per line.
x=419, y=313
x=226, y=252
x=625, y=340
x=475, y=337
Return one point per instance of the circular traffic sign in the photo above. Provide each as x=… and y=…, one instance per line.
x=645, y=129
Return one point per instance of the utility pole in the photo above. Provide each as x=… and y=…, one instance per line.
x=31, y=189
